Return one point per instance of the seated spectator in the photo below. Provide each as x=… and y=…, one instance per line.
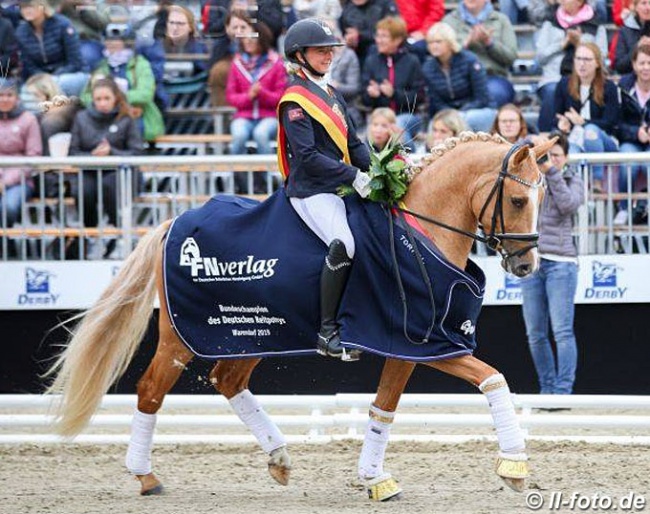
x=587, y=107
x=633, y=132
x=8, y=47
x=255, y=85
x=456, y=79
x=489, y=34
x=49, y=44
x=511, y=125
x=182, y=37
x=132, y=72
x=268, y=12
x=635, y=31
x=327, y=9
x=420, y=15
x=621, y=9
x=445, y=124
x=392, y=77
x=345, y=76
x=238, y=24
x=104, y=128
x=359, y=20
x=573, y=22
x=20, y=136
x=90, y=22
x=382, y=125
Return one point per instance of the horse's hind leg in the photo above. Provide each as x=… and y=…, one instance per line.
x=381, y=486
x=512, y=464
x=230, y=378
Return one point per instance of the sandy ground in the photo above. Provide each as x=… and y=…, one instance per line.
x=436, y=478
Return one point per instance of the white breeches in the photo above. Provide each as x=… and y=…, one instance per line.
x=325, y=215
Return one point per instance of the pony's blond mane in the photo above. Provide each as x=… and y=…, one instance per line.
x=449, y=144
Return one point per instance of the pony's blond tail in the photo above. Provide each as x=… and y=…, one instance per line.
x=106, y=338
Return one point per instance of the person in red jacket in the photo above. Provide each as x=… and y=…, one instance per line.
x=419, y=16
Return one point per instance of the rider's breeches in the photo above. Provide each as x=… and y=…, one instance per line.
x=371, y=460
x=325, y=215
x=509, y=433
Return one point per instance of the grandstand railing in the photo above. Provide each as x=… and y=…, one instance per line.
x=318, y=419
x=173, y=184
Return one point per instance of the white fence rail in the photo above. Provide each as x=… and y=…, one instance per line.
x=318, y=419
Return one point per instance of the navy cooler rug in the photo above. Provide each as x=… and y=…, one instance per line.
x=242, y=280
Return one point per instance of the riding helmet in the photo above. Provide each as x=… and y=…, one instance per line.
x=305, y=33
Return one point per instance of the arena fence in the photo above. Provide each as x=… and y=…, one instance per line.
x=151, y=189
x=449, y=418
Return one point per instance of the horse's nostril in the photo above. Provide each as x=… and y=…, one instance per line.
x=523, y=270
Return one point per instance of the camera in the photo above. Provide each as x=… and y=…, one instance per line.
x=118, y=31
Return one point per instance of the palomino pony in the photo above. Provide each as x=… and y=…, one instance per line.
x=473, y=180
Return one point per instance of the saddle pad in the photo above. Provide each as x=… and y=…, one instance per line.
x=242, y=280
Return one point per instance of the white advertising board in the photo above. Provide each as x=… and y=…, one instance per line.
x=55, y=285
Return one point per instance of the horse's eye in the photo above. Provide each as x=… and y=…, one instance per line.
x=519, y=203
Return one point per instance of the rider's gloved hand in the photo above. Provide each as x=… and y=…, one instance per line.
x=362, y=184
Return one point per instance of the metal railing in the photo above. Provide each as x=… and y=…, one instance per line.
x=154, y=188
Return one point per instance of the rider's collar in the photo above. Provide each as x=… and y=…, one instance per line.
x=319, y=81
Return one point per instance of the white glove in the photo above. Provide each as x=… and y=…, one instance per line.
x=362, y=184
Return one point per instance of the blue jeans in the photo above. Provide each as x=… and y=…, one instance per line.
x=548, y=294
x=636, y=170
x=500, y=89
x=12, y=199
x=410, y=124
x=546, y=94
x=596, y=140
x=262, y=131
x=480, y=120
x=72, y=83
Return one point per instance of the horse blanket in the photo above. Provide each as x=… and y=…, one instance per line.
x=242, y=280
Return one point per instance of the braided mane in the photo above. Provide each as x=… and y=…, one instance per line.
x=449, y=144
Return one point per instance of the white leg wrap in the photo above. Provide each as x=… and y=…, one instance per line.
x=509, y=433
x=138, y=454
x=371, y=460
x=257, y=420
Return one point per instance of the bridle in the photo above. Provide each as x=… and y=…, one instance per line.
x=494, y=240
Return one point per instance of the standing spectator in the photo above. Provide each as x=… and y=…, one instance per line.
x=635, y=120
x=445, y=124
x=8, y=48
x=238, y=23
x=89, y=21
x=104, y=128
x=182, y=36
x=419, y=16
x=20, y=136
x=456, y=79
x=392, y=77
x=49, y=44
x=573, y=22
x=255, y=85
x=359, y=20
x=548, y=294
x=132, y=72
x=489, y=34
x=635, y=31
x=587, y=107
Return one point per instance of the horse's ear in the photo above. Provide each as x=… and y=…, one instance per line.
x=519, y=157
x=542, y=148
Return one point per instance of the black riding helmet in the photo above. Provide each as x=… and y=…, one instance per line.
x=310, y=32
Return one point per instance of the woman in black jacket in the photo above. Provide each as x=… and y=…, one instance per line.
x=104, y=128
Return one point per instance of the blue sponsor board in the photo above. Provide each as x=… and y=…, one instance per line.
x=511, y=290
x=604, y=282
x=38, y=288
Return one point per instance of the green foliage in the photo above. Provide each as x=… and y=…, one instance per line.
x=389, y=181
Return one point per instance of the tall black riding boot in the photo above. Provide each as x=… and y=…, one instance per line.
x=333, y=280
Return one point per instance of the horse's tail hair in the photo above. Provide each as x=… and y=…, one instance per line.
x=105, y=338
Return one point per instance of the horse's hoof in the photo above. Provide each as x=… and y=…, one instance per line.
x=513, y=470
x=150, y=485
x=383, y=488
x=280, y=465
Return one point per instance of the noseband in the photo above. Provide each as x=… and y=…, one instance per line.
x=494, y=240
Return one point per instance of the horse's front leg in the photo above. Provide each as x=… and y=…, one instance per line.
x=231, y=379
x=394, y=377
x=512, y=464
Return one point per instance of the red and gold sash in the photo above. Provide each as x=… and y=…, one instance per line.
x=323, y=109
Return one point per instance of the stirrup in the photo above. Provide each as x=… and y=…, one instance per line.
x=383, y=488
x=331, y=347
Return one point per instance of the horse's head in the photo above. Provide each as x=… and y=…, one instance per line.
x=508, y=205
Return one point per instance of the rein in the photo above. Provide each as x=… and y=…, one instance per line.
x=493, y=240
